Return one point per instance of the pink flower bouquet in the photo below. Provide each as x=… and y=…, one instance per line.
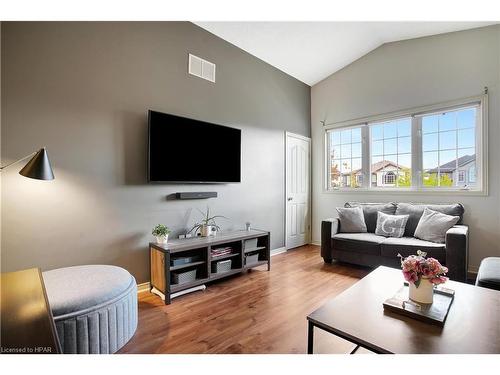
x=416, y=267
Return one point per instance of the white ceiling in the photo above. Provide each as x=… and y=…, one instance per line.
x=311, y=51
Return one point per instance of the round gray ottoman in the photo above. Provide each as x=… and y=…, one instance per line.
x=94, y=307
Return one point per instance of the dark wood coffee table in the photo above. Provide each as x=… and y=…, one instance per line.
x=27, y=325
x=357, y=315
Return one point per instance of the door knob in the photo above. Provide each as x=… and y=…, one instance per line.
x=289, y=198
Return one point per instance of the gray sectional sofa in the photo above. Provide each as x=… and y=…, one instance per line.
x=369, y=249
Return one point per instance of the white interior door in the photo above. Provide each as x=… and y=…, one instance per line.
x=298, y=181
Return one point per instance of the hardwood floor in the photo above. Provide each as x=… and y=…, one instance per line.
x=254, y=312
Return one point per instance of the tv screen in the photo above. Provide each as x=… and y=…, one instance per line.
x=191, y=151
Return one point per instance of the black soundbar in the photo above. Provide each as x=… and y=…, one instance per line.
x=196, y=195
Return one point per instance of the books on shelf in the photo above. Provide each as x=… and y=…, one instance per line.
x=221, y=251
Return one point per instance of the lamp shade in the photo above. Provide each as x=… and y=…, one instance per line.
x=38, y=167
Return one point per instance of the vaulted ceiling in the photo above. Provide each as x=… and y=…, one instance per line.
x=311, y=51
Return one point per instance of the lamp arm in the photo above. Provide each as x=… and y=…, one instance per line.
x=17, y=161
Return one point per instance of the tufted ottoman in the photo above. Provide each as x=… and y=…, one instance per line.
x=94, y=307
x=488, y=275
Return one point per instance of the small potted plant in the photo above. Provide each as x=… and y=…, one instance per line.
x=207, y=226
x=161, y=233
x=422, y=274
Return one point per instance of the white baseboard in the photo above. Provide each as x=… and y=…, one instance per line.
x=315, y=243
x=471, y=275
x=143, y=287
x=279, y=250
x=178, y=294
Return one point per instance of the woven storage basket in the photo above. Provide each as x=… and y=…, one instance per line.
x=183, y=277
x=221, y=266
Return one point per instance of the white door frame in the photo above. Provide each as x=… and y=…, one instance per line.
x=307, y=139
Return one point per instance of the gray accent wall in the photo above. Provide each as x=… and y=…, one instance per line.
x=408, y=74
x=83, y=91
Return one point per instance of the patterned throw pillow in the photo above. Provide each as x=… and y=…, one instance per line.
x=391, y=225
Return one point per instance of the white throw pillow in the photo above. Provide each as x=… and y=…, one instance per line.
x=433, y=225
x=352, y=220
x=391, y=225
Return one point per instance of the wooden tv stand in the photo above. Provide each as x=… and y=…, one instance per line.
x=200, y=247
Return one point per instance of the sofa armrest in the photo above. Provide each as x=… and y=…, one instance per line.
x=329, y=227
x=457, y=248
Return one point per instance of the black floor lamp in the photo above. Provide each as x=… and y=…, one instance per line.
x=38, y=167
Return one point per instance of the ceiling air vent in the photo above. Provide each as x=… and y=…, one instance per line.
x=201, y=68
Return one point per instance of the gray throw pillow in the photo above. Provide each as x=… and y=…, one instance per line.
x=415, y=210
x=391, y=225
x=370, y=212
x=433, y=225
x=351, y=220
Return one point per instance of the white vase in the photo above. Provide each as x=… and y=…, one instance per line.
x=424, y=293
x=207, y=230
x=162, y=239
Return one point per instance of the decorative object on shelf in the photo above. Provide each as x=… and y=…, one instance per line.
x=207, y=226
x=161, y=233
x=422, y=274
x=221, y=251
x=178, y=261
x=247, y=224
x=38, y=167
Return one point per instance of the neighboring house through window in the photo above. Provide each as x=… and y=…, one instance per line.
x=390, y=146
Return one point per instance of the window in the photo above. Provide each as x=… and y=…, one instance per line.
x=472, y=174
x=431, y=148
x=345, y=153
x=390, y=145
x=448, y=143
x=389, y=178
x=461, y=176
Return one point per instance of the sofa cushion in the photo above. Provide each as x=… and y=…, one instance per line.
x=405, y=246
x=370, y=212
x=366, y=243
x=415, y=210
x=351, y=220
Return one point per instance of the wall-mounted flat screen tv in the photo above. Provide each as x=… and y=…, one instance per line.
x=183, y=150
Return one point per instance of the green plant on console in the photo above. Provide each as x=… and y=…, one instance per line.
x=206, y=221
x=161, y=230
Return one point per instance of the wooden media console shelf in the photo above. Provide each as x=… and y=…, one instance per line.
x=249, y=249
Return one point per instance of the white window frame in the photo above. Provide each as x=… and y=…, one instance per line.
x=417, y=170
